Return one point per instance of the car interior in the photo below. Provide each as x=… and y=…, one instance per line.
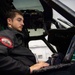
x=60, y=37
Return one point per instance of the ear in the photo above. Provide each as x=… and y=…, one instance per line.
x=9, y=21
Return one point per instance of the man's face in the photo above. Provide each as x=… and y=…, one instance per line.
x=16, y=23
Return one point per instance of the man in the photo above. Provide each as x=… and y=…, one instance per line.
x=15, y=58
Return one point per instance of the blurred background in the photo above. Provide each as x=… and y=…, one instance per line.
x=38, y=47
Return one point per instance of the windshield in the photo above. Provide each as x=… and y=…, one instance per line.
x=27, y=4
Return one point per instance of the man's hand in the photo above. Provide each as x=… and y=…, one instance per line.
x=38, y=66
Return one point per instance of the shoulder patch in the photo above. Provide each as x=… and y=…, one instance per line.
x=6, y=41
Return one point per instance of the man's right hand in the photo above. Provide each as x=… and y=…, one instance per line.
x=38, y=66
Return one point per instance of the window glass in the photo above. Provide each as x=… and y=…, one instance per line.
x=27, y=4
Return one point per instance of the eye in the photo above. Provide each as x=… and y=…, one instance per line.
x=19, y=19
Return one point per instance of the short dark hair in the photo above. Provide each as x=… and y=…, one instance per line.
x=11, y=14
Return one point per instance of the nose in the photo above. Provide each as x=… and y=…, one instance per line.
x=22, y=23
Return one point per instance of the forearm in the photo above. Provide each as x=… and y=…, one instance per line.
x=9, y=64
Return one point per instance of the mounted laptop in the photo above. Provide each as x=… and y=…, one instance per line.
x=70, y=52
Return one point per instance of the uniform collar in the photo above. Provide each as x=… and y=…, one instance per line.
x=15, y=31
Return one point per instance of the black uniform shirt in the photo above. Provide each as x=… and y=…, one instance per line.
x=14, y=57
